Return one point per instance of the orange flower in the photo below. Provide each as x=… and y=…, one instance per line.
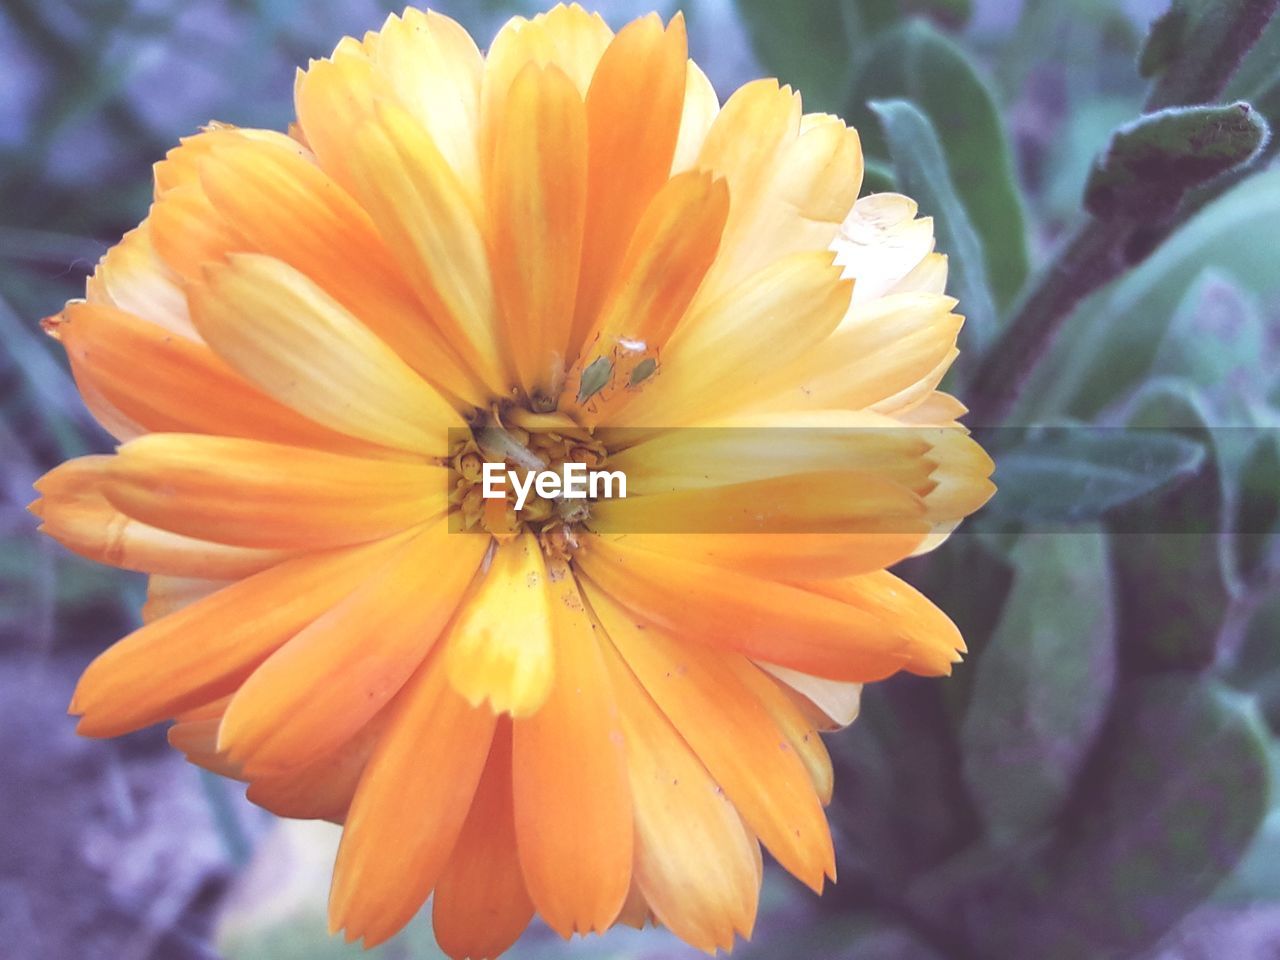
x=561, y=252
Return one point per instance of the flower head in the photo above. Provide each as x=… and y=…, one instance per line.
x=566, y=251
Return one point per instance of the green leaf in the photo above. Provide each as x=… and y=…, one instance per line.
x=901, y=810
x=1152, y=162
x=1162, y=814
x=1109, y=345
x=1165, y=40
x=814, y=44
x=915, y=62
x=1257, y=80
x=1169, y=549
x=920, y=169
x=1043, y=684
x=1256, y=668
x=1074, y=473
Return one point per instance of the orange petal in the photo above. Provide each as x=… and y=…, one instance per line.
x=188, y=232
x=500, y=643
x=74, y=511
x=694, y=860
x=322, y=789
x=316, y=691
x=931, y=640
x=296, y=343
x=286, y=207
x=409, y=808
x=187, y=388
x=576, y=854
x=206, y=650
x=255, y=494
x=537, y=202
x=633, y=112
x=778, y=556
x=429, y=222
x=673, y=246
x=481, y=906
x=703, y=694
x=763, y=619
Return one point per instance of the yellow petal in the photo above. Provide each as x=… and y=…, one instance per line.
x=166, y=595
x=722, y=352
x=701, y=692
x=839, y=702
x=299, y=345
x=427, y=219
x=500, y=643
x=432, y=66
x=826, y=502
x=322, y=789
x=881, y=243
x=132, y=277
x=694, y=860
x=576, y=855
x=316, y=691
x=700, y=108
x=255, y=494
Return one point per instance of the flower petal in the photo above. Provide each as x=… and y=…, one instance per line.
x=765, y=620
x=576, y=856
x=427, y=220
x=299, y=345
x=694, y=860
x=409, y=807
x=74, y=511
x=284, y=206
x=132, y=277
x=702, y=693
x=633, y=110
x=254, y=494
x=316, y=691
x=500, y=643
x=187, y=387
x=206, y=650
x=537, y=194
x=481, y=906
x=724, y=350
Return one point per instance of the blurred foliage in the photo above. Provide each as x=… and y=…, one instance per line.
x=1095, y=780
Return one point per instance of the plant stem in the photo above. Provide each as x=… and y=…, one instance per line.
x=1223, y=35
x=1098, y=250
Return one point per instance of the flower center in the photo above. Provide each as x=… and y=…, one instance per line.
x=519, y=469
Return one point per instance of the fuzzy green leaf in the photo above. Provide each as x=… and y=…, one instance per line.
x=1070, y=474
x=920, y=169
x=917, y=63
x=1152, y=162
x=1043, y=684
x=1169, y=549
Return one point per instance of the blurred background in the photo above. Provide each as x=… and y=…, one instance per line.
x=1094, y=781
